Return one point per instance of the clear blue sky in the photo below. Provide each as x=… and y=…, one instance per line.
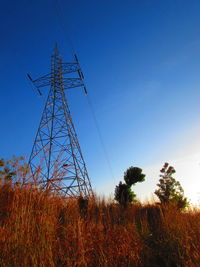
x=141, y=61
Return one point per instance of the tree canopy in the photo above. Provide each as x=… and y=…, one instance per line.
x=133, y=175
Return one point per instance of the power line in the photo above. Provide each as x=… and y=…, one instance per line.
x=63, y=26
x=100, y=135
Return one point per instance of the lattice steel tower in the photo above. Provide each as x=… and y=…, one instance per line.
x=56, y=147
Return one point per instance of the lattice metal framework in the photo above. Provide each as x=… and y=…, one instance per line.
x=56, y=147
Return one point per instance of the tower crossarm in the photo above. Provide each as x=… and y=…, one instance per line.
x=72, y=82
x=70, y=67
x=42, y=81
x=68, y=83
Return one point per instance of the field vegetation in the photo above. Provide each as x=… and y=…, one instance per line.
x=39, y=228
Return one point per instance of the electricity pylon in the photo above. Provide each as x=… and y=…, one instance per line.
x=56, y=160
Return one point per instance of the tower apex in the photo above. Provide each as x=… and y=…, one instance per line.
x=56, y=50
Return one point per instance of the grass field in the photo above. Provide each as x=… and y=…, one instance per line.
x=39, y=229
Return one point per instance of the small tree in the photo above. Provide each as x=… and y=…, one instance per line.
x=123, y=192
x=170, y=191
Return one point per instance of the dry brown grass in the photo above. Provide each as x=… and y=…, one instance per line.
x=39, y=229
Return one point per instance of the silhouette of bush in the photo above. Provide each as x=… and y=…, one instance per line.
x=123, y=192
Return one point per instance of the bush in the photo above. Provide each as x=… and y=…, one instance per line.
x=123, y=192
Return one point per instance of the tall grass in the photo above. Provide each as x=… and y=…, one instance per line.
x=41, y=229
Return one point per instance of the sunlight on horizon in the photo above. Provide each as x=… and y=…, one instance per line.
x=186, y=162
